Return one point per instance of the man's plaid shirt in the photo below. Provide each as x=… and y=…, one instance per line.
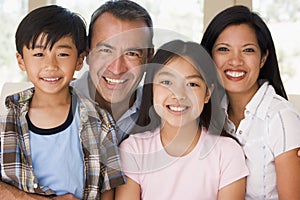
x=98, y=139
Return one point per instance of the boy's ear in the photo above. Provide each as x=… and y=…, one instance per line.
x=20, y=61
x=80, y=61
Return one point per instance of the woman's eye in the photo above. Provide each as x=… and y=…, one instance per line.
x=222, y=49
x=249, y=50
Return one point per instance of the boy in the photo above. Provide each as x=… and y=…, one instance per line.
x=53, y=140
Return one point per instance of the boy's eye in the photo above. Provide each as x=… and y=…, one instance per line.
x=38, y=54
x=63, y=54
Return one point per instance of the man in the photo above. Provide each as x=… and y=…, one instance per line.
x=120, y=43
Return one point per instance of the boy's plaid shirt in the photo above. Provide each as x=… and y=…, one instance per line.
x=98, y=139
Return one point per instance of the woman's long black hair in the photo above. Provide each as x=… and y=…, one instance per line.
x=242, y=15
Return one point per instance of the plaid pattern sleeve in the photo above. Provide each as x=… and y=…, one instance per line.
x=101, y=155
x=111, y=170
x=16, y=162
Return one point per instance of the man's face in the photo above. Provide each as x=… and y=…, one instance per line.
x=117, y=55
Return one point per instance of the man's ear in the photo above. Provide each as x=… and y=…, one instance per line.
x=20, y=61
x=263, y=59
x=87, y=56
x=80, y=61
x=150, y=54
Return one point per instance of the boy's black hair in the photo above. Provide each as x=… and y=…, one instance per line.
x=52, y=23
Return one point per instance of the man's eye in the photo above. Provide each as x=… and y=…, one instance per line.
x=133, y=53
x=105, y=50
x=38, y=54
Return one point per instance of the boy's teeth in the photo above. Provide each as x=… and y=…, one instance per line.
x=235, y=74
x=51, y=79
x=177, y=109
x=114, y=81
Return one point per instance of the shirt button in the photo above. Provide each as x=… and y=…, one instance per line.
x=240, y=132
x=35, y=185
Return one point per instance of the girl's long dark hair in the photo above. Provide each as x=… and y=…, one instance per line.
x=212, y=116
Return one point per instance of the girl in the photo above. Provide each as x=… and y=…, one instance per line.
x=258, y=113
x=180, y=154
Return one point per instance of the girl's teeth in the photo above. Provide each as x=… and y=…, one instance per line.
x=177, y=109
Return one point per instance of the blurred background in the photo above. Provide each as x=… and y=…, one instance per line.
x=188, y=17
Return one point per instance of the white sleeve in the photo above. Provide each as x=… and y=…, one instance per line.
x=284, y=131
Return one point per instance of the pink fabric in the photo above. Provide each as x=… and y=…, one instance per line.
x=162, y=176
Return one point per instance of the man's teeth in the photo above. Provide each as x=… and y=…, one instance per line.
x=51, y=79
x=235, y=74
x=114, y=81
x=177, y=108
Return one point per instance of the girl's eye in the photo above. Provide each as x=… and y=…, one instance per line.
x=166, y=82
x=193, y=85
x=38, y=54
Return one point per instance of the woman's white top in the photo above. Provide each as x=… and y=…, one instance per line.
x=271, y=127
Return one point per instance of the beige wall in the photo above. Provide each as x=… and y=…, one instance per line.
x=32, y=4
x=212, y=7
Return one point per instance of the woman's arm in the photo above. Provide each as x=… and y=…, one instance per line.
x=129, y=191
x=288, y=175
x=233, y=191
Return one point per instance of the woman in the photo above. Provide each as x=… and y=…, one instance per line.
x=258, y=113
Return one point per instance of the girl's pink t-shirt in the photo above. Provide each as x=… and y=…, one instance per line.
x=214, y=163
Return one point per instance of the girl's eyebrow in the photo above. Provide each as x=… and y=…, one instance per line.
x=194, y=76
x=165, y=73
x=173, y=75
